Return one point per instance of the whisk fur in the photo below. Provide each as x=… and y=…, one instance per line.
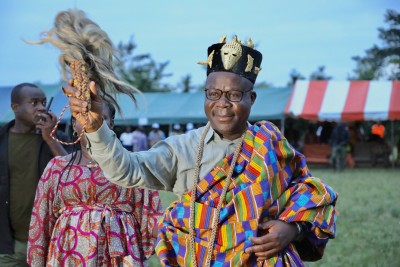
x=79, y=38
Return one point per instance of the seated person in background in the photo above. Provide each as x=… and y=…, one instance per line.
x=79, y=217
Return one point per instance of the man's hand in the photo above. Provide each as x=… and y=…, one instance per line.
x=46, y=124
x=275, y=236
x=92, y=118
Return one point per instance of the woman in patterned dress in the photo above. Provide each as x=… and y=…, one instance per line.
x=79, y=218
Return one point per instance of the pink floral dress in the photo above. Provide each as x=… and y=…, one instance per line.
x=85, y=220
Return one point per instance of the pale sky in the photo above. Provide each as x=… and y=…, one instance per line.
x=290, y=34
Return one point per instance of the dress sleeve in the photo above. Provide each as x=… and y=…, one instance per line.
x=42, y=219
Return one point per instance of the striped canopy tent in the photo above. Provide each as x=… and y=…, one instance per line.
x=345, y=100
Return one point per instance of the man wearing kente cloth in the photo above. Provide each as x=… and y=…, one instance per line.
x=247, y=196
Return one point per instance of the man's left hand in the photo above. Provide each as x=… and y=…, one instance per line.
x=275, y=236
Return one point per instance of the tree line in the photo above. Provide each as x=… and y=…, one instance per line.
x=378, y=62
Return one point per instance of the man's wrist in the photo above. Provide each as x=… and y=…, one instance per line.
x=94, y=126
x=48, y=139
x=299, y=231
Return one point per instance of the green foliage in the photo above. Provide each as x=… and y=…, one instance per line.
x=320, y=74
x=140, y=70
x=185, y=84
x=368, y=67
x=262, y=85
x=294, y=76
x=384, y=61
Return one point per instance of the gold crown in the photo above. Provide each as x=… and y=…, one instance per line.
x=231, y=58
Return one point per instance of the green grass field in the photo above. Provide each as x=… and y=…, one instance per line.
x=368, y=227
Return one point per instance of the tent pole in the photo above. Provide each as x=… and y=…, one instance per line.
x=392, y=146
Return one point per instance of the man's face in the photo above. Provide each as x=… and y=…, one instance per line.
x=32, y=102
x=226, y=117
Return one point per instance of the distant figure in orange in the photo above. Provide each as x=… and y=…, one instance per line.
x=378, y=131
x=379, y=148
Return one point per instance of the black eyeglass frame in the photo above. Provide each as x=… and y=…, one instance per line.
x=227, y=94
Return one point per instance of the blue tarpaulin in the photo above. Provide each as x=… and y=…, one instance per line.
x=164, y=108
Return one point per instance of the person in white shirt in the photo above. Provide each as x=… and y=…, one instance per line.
x=126, y=138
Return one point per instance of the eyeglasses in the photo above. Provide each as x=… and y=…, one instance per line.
x=233, y=95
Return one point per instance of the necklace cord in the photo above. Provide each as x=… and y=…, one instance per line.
x=53, y=131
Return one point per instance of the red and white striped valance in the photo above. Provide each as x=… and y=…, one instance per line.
x=345, y=100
